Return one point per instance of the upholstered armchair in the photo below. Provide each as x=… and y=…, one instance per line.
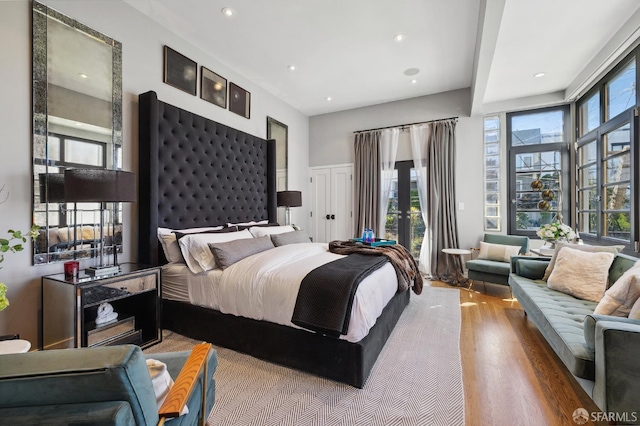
x=105, y=386
x=495, y=268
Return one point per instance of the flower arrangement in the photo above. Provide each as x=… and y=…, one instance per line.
x=555, y=231
x=13, y=244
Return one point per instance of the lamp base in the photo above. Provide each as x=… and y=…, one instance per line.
x=99, y=271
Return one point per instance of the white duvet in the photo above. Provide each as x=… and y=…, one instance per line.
x=264, y=286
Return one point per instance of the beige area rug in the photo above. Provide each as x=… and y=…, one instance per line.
x=417, y=379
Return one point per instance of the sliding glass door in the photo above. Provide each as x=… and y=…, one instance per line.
x=404, y=218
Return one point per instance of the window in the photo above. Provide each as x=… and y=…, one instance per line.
x=539, y=179
x=605, y=181
x=492, y=173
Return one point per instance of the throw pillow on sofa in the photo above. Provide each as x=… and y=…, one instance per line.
x=583, y=247
x=622, y=295
x=497, y=252
x=581, y=274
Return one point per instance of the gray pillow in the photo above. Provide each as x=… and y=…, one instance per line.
x=228, y=253
x=294, y=237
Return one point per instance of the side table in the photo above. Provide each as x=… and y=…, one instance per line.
x=458, y=252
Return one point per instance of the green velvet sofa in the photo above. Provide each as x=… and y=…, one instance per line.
x=602, y=351
x=96, y=386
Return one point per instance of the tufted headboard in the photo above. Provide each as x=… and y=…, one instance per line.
x=194, y=172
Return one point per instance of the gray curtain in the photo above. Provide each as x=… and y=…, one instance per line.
x=367, y=182
x=439, y=161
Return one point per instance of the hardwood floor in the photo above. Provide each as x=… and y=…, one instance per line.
x=511, y=375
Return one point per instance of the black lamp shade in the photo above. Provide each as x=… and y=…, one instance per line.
x=99, y=185
x=289, y=198
x=51, y=187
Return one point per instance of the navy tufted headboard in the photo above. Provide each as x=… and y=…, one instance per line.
x=194, y=172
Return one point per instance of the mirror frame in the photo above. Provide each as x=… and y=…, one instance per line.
x=272, y=124
x=40, y=15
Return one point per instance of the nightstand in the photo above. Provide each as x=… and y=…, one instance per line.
x=70, y=308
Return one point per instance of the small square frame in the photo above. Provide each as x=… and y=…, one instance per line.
x=180, y=71
x=213, y=87
x=239, y=100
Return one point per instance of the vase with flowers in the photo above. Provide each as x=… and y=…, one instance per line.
x=554, y=232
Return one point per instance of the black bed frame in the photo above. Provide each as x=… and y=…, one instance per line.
x=194, y=172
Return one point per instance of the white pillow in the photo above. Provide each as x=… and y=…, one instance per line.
x=161, y=381
x=622, y=295
x=581, y=274
x=196, y=252
x=170, y=244
x=635, y=310
x=582, y=247
x=253, y=222
x=497, y=252
x=261, y=231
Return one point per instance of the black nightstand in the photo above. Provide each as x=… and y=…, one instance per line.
x=70, y=308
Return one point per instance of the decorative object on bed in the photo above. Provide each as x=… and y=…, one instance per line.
x=239, y=100
x=180, y=71
x=170, y=247
x=296, y=237
x=226, y=254
x=103, y=186
x=213, y=87
x=237, y=185
x=261, y=231
x=403, y=262
x=288, y=199
x=196, y=251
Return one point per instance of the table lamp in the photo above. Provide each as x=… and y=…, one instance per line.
x=289, y=199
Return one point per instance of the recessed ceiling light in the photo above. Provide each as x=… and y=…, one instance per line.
x=538, y=75
x=328, y=98
x=83, y=75
x=414, y=81
x=291, y=67
x=399, y=37
x=411, y=71
x=228, y=12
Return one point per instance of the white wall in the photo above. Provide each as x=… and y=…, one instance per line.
x=142, y=41
x=331, y=142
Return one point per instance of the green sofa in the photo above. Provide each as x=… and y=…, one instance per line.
x=97, y=386
x=492, y=271
x=602, y=350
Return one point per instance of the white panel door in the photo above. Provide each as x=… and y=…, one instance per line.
x=341, y=222
x=320, y=204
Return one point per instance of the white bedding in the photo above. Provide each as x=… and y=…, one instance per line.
x=264, y=286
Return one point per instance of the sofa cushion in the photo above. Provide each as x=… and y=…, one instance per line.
x=581, y=274
x=581, y=247
x=559, y=317
x=621, y=296
x=93, y=413
x=489, y=266
x=497, y=252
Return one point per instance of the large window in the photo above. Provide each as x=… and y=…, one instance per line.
x=605, y=159
x=539, y=178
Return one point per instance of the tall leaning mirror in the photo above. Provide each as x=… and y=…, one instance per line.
x=280, y=133
x=77, y=123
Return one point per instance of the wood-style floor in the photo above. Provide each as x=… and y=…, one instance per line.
x=511, y=375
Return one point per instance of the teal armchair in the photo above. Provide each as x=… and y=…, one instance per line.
x=103, y=386
x=492, y=271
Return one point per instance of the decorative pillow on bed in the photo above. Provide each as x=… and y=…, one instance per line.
x=170, y=243
x=261, y=225
x=622, y=295
x=226, y=254
x=196, y=251
x=582, y=247
x=581, y=274
x=253, y=222
x=497, y=252
x=258, y=231
x=294, y=237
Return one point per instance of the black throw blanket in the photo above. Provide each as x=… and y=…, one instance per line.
x=326, y=294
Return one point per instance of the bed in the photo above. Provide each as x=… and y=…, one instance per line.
x=194, y=172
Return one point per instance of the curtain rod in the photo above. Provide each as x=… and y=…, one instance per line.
x=404, y=126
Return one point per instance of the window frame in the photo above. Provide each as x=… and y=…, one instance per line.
x=565, y=166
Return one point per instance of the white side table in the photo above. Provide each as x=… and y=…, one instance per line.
x=14, y=346
x=458, y=252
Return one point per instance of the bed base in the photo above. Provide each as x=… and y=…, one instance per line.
x=328, y=357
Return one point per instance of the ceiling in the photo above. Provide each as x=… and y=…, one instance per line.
x=345, y=50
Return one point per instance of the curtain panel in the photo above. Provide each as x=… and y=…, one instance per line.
x=367, y=182
x=433, y=147
x=388, y=150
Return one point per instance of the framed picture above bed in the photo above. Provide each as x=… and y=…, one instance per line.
x=239, y=100
x=213, y=87
x=180, y=71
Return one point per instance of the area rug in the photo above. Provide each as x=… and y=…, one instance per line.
x=417, y=379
